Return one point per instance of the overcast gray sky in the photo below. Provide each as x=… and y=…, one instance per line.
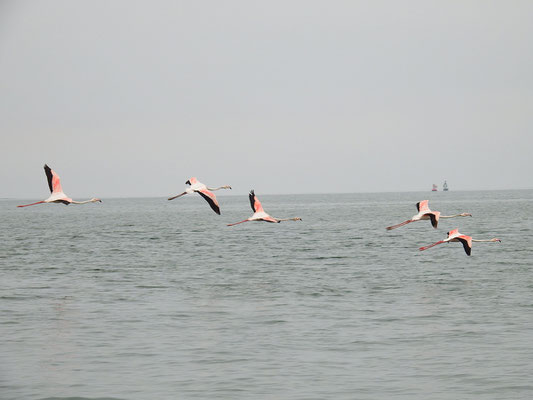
x=131, y=98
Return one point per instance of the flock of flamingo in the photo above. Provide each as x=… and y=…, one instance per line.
x=424, y=213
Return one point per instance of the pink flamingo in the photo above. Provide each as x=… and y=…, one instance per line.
x=424, y=213
x=57, y=195
x=455, y=236
x=260, y=214
x=203, y=191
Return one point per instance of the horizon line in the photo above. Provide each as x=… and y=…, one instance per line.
x=301, y=194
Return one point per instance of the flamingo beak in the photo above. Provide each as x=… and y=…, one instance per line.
x=188, y=183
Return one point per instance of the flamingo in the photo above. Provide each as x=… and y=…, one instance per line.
x=57, y=195
x=260, y=214
x=204, y=191
x=425, y=213
x=455, y=236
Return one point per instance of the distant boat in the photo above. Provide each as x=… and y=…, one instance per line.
x=434, y=188
x=445, y=187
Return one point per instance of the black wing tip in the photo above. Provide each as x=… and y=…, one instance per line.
x=48, y=173
x=251, y=196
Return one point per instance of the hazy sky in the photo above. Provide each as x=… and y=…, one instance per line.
x=131, y=98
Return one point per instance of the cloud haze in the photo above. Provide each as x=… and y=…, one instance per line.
x=131, y=98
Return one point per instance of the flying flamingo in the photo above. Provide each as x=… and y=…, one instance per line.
x=203, y=191
x=260, y=214
x=425, y=213
x=455, y=236
x=57, y=195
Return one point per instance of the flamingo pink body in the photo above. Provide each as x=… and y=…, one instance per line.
x=424, y=213
x=57, y=195
x=204, y=191
x=455, y=236
x=260, y=214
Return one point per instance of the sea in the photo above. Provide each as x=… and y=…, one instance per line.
x=142, y=298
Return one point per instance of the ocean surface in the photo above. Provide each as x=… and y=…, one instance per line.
x=150, y=299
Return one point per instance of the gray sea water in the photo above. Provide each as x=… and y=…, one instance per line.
x=150, y=299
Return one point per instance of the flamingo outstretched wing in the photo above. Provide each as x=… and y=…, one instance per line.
x=254, y=202
x=464, y=239
x=422, y=205
x=467, y=243
x=467, y=247
x=453, y=232
x=211, y=199
x=53, y=180
x=434, y=219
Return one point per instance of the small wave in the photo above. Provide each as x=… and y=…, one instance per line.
x=81, y=398
x=21, y=297
x=151, y=287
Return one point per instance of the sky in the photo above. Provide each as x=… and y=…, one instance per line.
x=132, y=98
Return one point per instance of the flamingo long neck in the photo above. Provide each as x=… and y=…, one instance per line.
x=288, y=219
x=218, y=188
x=83, y=202
x=486, y=240
x=453, y=216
